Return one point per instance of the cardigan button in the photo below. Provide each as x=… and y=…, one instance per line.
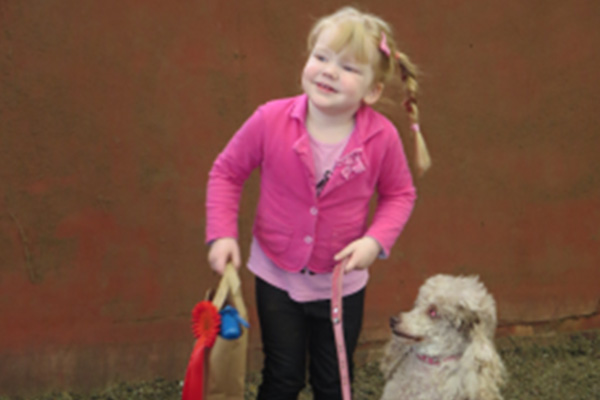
x=308, y=239
x=314, y=210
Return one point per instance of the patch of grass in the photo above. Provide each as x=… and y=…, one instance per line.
x=557, y=367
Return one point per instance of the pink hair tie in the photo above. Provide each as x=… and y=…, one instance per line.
x=383, y=46
x=415, y=128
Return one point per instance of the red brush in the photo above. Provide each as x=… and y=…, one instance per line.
x=206, y=323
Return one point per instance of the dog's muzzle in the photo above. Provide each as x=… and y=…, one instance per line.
x=394, y=322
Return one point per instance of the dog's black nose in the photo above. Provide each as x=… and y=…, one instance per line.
x=394, y=321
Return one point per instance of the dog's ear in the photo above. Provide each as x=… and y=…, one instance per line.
x=466, y=319
x=486, y=371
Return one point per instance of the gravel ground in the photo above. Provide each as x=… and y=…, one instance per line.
x=564, y=367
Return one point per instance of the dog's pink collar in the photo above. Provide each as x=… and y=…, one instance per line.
x=435, y=360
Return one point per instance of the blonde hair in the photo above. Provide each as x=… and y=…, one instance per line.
x=362, y=33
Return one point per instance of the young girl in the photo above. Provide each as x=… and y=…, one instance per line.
x=322, y=155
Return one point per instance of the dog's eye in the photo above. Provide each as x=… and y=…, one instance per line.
x=432, y=312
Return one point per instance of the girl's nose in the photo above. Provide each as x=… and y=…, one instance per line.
x=331, y=71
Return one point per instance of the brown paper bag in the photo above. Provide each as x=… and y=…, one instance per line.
x=227, y=359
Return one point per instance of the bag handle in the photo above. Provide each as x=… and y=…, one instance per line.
x=229, y=283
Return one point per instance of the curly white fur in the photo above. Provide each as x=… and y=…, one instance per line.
x=443, y=349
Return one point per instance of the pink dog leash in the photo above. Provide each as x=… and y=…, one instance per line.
x=338, y=329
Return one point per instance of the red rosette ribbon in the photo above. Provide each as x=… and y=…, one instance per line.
x=206, y=323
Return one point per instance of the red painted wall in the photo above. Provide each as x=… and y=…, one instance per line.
x=111, y=114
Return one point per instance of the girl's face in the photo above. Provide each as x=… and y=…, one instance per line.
x=335, y=82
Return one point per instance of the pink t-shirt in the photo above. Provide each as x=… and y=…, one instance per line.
x=305, y=286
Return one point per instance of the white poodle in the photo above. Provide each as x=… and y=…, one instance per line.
x=443, y=349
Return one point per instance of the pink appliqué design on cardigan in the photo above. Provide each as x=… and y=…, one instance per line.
x=351, y=164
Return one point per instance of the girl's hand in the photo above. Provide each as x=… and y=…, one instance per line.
x=360, y=254
x=221, y=252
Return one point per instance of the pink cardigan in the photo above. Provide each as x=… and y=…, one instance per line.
x=294, y=227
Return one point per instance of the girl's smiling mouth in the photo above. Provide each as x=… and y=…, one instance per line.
x=326, y=88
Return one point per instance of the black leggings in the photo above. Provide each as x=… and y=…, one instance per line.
x=289, y=329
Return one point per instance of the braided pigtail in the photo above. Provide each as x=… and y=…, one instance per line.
x=408, y=72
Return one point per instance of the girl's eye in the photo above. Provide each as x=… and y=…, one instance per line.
x=432, y=312
x=350, y=68
x=320, y=57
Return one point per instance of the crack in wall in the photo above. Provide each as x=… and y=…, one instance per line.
x=32, y=272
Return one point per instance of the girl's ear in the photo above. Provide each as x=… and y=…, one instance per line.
x=374, y=94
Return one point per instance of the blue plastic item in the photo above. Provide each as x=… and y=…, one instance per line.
x=231, y=323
